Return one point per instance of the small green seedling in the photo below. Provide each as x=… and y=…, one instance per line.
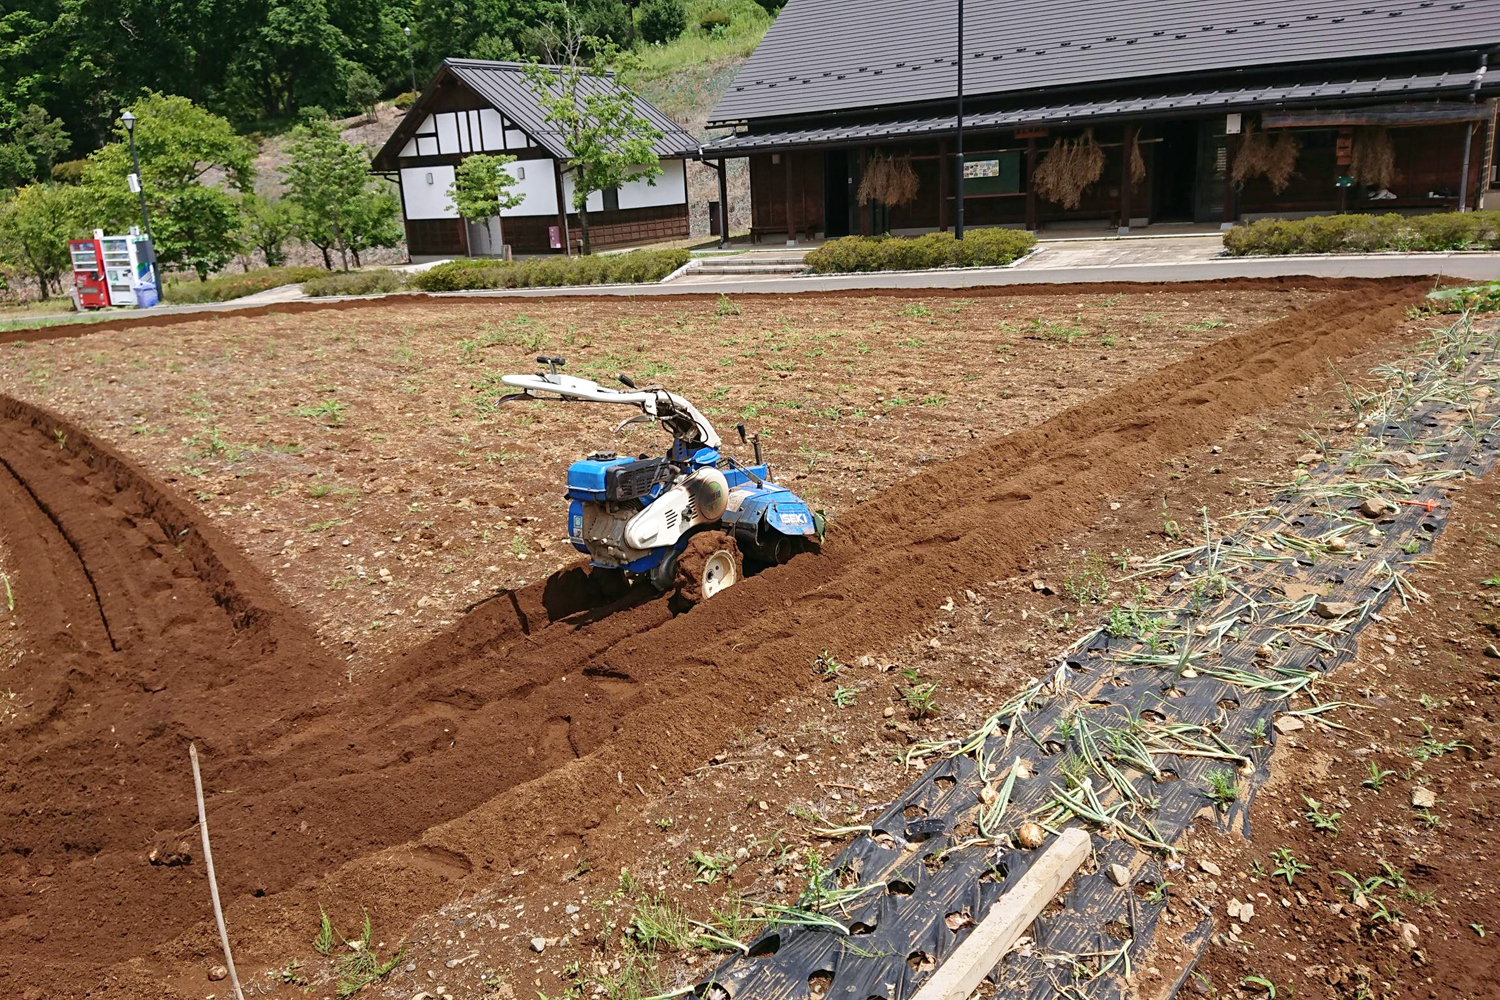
x=1263, y=983
x=1222, y=791
x=1287, y=865
x=1376, y=781
x=1328, y=822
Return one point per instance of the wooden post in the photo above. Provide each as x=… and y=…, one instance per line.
x=562, y=209
x=1231, y=147
x=791, y=218
x=723, y=203
x=208, y=863
x=1030, y=186
x=864, y=210
x=943, y=186
x=1011, y=914
x=1126, y=181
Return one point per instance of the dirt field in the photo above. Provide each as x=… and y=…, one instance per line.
x=203, y=513
x=357, y=458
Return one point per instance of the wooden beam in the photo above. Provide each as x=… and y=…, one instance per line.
x=1030, y=183
x=1231, y=150
x=943, y=186
x=791, y=217
x=1126, y=181
x=723, y=204
x=1011, y=914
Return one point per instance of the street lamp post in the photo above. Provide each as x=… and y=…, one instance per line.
x=410, y=60
x=958, y=215
x=140, y=188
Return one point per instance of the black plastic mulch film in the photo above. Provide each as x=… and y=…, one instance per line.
x=1191, y=687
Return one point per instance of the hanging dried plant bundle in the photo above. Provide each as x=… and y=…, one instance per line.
x=1372, y=162
x=1137, y=162
x=889, y=180
x=1261, y=155
x=1069, y=167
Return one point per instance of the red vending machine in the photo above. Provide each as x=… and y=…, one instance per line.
x=91, y=287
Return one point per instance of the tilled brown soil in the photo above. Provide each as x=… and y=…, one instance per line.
x=537, y=717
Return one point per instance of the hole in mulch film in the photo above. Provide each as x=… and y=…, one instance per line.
x=958, y=920
x=1119, y=930
x=1228, y=704
x=900, y=887
x=1146, y=889
x=1152, y=715
x=934, y=861
x=884, y=839
x=715, y=991
x=1118, y=681
x=920, y=961
x=1101, y=703
x=1174, y=692
x=997, y=873
x=914, y=811
x=1052, y=748
x=818, y=983
x=860, y=927
x=1167, y=774
x=945, y=781
x=766, y=946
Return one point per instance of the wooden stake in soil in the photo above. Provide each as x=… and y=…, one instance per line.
x=213, y=883
x=1012, y=913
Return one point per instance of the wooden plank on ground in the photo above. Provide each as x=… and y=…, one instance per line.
x=1012, y=913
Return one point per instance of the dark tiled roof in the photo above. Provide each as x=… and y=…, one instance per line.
x=831, y=55
x=503, y=85
x=1063, y=114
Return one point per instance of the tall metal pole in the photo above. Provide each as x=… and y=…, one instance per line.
x=410, y=60
x=140, y=184
x=958, y=189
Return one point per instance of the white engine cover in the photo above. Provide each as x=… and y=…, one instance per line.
x=699, y=499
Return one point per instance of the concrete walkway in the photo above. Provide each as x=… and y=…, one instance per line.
x=1062, y=262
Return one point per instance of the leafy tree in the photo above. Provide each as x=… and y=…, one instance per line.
x=476, y=29
x=35, y=227
x=30, y=143
x=663, y=20
x=327, y=181
x=290, y=60
x=267, y=226
x=608, y=142
x=481, y=189
x=191, y=163
x=362, y=90
x=374, y=220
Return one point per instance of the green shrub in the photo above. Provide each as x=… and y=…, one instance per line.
x=978, y=248
x=355, y=283
x=634, y=267
x=714, y=20
x=234, y=286
x=1366, y=234
x=403, y=101
x=663, y=20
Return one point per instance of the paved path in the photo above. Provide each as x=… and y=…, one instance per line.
x=1179, y=265
x=1128, y=250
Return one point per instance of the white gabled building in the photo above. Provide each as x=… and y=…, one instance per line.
x=473, y=106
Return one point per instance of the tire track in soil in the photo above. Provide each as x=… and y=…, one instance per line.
x=536, y=715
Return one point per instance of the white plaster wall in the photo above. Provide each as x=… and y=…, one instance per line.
x=670, y=188
x=427, y=201
x=538, y=187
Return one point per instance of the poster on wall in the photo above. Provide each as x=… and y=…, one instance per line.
x=998, y=173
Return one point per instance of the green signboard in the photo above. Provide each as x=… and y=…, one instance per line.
x=993, y=173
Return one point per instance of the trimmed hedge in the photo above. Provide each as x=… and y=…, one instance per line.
x=1366, y=234
x=634, y=267
x=355, y=283
x=234, y=286
x=978, y=248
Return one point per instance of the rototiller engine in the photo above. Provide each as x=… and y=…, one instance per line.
x=687, y=521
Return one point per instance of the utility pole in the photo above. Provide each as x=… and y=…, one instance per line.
x=958, y=196
x=140, y=188
x=411, y=62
